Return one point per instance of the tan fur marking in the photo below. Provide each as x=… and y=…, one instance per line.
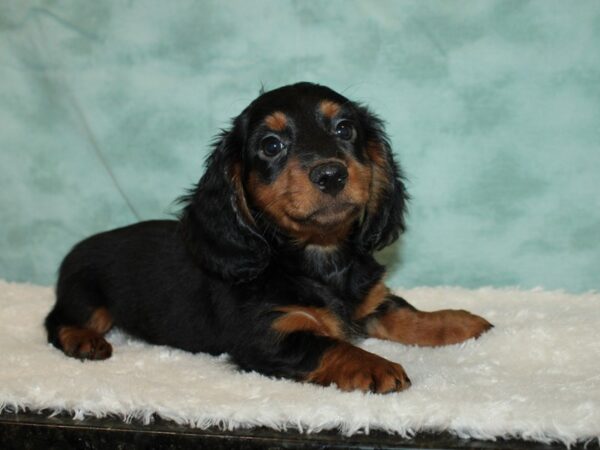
x=290, y=198
x=376, y=154
x=373, y=299
x=276, y=121
x=352, y=368
x=358, y=182
x=329, y=108
x=328, y=240
x=290, y=194
x=83, y=343
x=320, y=321
x=429, y=329
x=101, y=321
x=380, y=181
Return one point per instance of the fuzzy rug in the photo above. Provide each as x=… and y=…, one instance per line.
x=535, y=376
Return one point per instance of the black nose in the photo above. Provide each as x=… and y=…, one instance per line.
x=329, y=177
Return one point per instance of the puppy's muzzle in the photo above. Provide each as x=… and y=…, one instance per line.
x=329, y=177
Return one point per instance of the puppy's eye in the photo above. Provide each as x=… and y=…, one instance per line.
x=271, y=146
x=345, y=130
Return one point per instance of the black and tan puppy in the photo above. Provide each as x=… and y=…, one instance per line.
x=271, y=260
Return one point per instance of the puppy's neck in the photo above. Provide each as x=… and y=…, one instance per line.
x=325, y=258
x=330, y=264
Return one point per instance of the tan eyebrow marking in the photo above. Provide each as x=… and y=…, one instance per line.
x=276, y=121
x=329, y=108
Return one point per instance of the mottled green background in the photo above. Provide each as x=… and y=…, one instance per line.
x=493, y=108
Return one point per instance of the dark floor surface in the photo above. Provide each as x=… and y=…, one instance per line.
x=35, y=431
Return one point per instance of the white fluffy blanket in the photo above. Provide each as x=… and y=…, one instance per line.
x=536, y=375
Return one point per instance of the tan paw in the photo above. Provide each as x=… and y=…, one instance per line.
x=459, y=325
x=352, y=368
x=83, y=343
x=428, y=329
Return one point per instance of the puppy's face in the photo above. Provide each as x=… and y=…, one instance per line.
x=308, y=165
x=305, y=162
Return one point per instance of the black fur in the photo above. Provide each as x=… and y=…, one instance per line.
x=212, y=226
x=384, y=228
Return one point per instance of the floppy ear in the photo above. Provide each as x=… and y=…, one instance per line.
x=384, y=214
x=216, y=223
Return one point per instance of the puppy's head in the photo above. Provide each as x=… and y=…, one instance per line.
x=301, y=161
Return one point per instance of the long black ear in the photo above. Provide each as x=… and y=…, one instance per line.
x=216, y=223
x=384, y=215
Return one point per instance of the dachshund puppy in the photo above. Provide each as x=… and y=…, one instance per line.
x=271, y=260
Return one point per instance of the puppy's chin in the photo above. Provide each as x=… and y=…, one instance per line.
x=329, y=216
x=334, y=215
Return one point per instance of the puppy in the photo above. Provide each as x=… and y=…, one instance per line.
x=271, y=260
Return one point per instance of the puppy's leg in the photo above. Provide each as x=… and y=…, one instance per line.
x=396, y=320
x=77, y=323
x=308, y=344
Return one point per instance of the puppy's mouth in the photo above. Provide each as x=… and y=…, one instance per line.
x=329, y=215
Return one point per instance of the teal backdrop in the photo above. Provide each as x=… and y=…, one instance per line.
x=107, y=109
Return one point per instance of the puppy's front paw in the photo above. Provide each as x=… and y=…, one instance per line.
x=459, y=325
x=429, y=329
x=352, y=368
